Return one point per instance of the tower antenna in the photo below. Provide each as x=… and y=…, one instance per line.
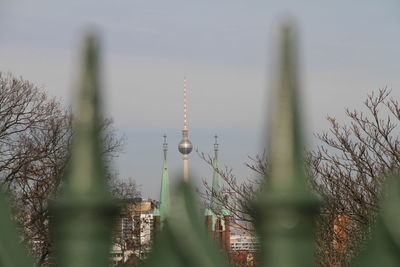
x=184, y=104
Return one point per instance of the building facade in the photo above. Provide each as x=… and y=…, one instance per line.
x=134, y=230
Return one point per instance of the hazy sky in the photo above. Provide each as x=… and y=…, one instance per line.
x=225, y=48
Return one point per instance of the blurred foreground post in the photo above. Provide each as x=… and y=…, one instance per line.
x=287, y=208
x=383, y=249
x=12, y=252
x=84, y=212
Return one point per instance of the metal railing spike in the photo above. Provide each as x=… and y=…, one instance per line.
x=83, y=214
x=287, y=207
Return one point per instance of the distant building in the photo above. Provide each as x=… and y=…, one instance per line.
x=244, y=243
x=245, y=247
x=134, y=229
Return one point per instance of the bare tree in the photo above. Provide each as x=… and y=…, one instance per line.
x=35, y=136
x=125, y=189
x=346, y=170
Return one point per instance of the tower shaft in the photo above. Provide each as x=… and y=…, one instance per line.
x=186, y=168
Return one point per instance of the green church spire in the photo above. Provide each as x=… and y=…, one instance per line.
x=164, y=191
x=215, y=204
x=216, y=186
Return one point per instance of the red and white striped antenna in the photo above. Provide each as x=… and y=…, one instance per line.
x=184, y=104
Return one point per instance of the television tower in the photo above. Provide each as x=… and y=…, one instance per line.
x=185, y=146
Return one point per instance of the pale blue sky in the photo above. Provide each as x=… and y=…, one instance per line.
x=225, y=48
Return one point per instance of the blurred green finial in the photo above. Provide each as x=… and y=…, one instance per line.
x=12, y=252
x=83, y=214
x=383, y=249
x=288, y=208
x=285, y=142
x=183, y=240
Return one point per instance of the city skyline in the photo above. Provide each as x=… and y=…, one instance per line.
x=225, y=49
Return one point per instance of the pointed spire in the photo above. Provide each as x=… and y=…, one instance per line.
x=216, y=146
x=215, y=204
x=286, y=148
x=164, y=191
x=86, y=171
x=216, y=177
x=165, y=147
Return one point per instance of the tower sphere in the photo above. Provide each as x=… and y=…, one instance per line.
x=185, y=147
